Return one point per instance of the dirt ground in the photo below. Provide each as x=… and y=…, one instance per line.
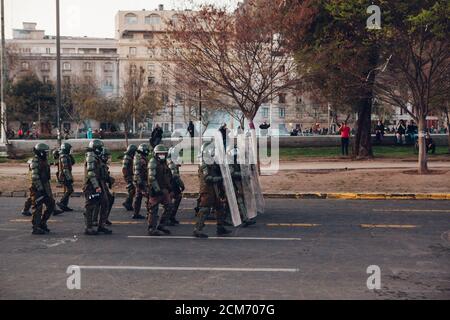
x=389, y=181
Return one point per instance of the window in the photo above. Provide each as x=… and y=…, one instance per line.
x=45, y=66
x=282, y=69
x=25, y=66
x=131, y=18
x=265, y=112
x=165, y=98
x=45, y=79
x=88, y=79
x=26, y=50
x=67, y=66
x=178, y=98
x=151, y=80
x=148, y=36
x=151, y=68
x=68, y=50
x=133, y=51
x=108, y=67
x=282, y=98
x=153, y=19
x=66, y=80
x=48, y=50
x=87, y=66
x=127, y=36
x=109, y=82
x=175, y=19
x=282, y=112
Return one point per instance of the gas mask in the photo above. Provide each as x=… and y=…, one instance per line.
x=162, y=157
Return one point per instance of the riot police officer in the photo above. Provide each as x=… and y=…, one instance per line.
x=212, y=195
x=40, y=189
x=109, y=182
x=65, y=163
x=94, y=189
x=127, y=172
x=140, y=178
x=160, y=187
x=178, y=187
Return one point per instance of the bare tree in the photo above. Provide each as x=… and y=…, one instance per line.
x=240, y=56
x=417, y=78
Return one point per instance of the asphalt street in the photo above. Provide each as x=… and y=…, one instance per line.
x=299, y=249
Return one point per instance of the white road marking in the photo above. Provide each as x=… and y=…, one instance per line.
x=190, y=269
x=216, y=238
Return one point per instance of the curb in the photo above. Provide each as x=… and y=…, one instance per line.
x=335, y=196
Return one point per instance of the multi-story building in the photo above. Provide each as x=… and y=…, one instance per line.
x=81, y=58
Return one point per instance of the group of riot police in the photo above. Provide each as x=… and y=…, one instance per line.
x=150, y=174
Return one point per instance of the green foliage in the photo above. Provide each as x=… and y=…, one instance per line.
x=27, y=96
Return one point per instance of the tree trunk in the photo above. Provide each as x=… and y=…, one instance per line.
x=362, y=147
x=422, y=165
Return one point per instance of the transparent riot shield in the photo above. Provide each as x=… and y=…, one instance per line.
x=253, y=158
x=221, y=159
x=243, y=144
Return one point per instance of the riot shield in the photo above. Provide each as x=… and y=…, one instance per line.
x=221, y=159
x=254, y=175
x=243, y=144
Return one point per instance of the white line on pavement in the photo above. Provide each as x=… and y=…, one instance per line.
x=216, y=238
x=189, y=269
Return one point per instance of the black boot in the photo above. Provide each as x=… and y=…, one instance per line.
x=64, y=207
x=104, y=230
x=26, y=213
x=37, y=231
x=174, y=221
x=108, y=223
x=198, y=234
x=221, y=231
x=90, y=232
x=45, y=228
x=138, y=216
x=161, y=228
x=128, y=206
x=248, y=223
x=154, y=233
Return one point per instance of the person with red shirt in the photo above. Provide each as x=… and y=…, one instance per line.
x=345, y=138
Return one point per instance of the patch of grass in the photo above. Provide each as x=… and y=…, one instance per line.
x=334, y=152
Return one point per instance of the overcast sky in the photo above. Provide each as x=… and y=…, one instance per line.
x=94, y=18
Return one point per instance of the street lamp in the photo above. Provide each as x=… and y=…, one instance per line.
x=58, y=73
x=3, y=137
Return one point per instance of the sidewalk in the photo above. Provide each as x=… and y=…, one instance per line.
x=13, y=169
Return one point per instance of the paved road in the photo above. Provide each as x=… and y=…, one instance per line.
x=11, y=169
x=300, y=249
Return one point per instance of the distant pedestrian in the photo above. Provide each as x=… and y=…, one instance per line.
x=224, y=131
x=344, y=130
x=191, y=129
x=156, y=136
x=431, y=146
x=400, y=132
x=379, y=131
x=264, y=128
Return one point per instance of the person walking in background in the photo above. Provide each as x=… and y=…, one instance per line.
x=224, y=131
x=156, y=137
x=431, y=146
x=191, y=129
x=400, y=132
x=379, y=131
x=344, y=130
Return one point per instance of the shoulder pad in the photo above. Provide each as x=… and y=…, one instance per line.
x=34, y=163
x=152, y=164
x=90, y=157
